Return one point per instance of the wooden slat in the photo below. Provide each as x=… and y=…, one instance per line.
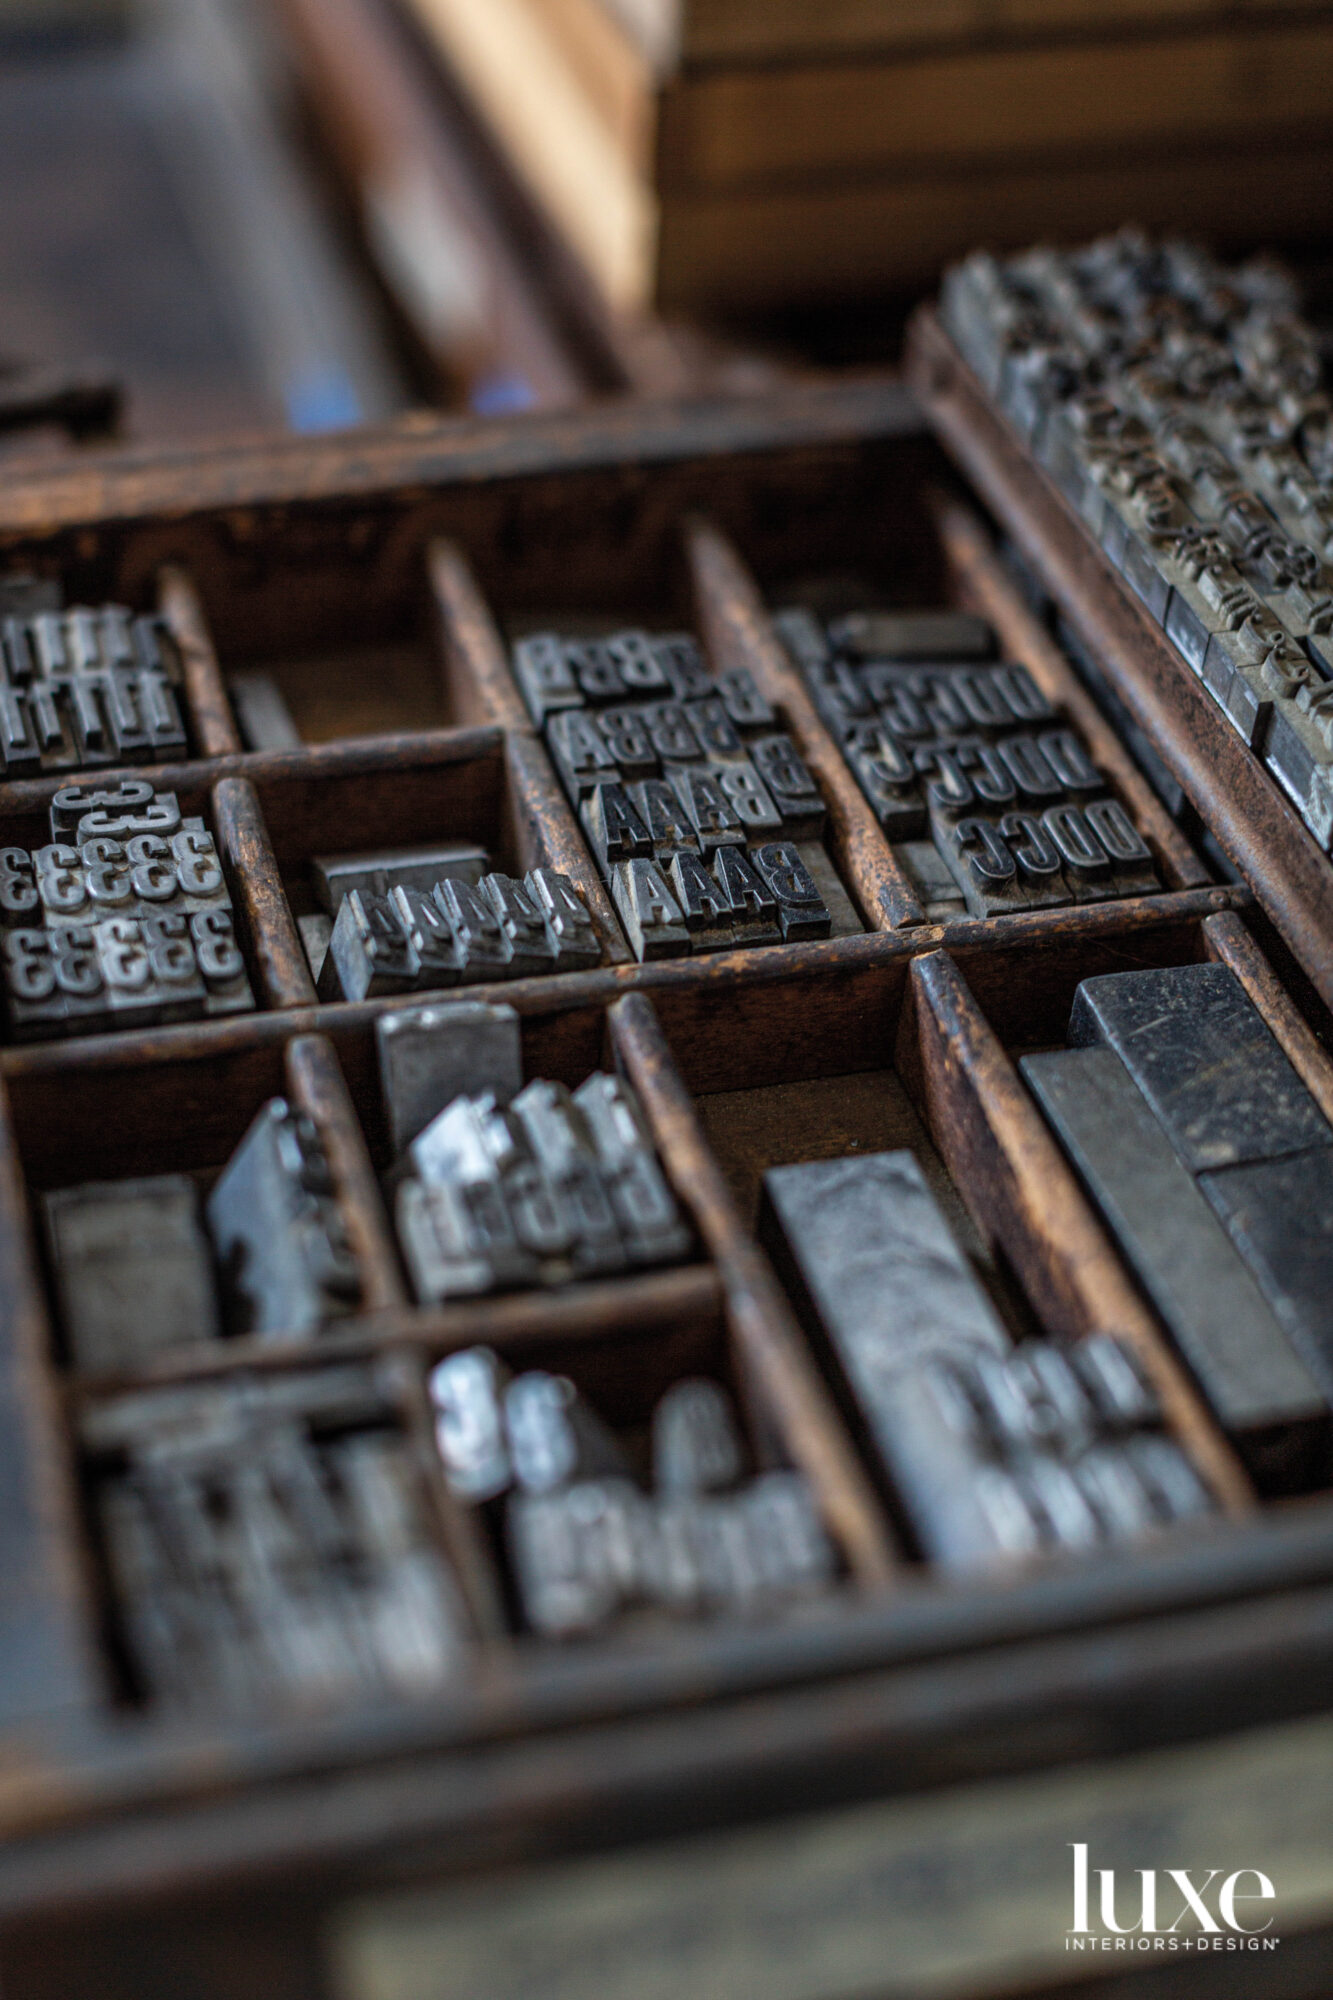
x=275, y=946
x=475, y=663
x=215, y=731
x=547, y=836
x=318, y=1090
x=735, y=630
x=763, y=1323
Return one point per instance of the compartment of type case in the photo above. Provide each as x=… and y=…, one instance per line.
x=118, y=909
x=1015, y=1391
x=250, y=1230
x=631, y=1480
x=276, y=1545
x=431, y=862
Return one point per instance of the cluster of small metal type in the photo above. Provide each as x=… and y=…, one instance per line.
x=268, y=1544
x=946, y=740
x=551, y=1188
x=1181, y=407
x=586, y=1543
x=1052, y=1448
x=993, y=1451
x=420, y=919
x=704, y=819
x=143, y=1266
x=123, y=921
x=81, y=687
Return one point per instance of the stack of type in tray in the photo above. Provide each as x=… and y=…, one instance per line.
x=734, y=153
x=643, y=1327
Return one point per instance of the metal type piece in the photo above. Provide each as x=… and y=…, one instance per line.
x=744, y=701
x=714, y=730
x=704, y=903
x=614, y=829
x=887, y=776
x=696, y=1446
x=458, y=1240
x=532, y=951
x=802, y=912
x=625, y=734
x=432, y=942
x=467, y=1141
x=1279, y=1215
x=570, y=929
x=713, y=818
x=262, y=714
x=369, y=952
x=1205, y=1060
x=981, y=863
x=965, y=1514
x=683, y=665
x=385, y=869
x=913, y=635
x=639, y=661
x=672, y=734
x=790, y=785
x=645, y=1209
x=428, y=1056
x=1244, y=1362
x=871, y=1259
x=753, y=906
x=487, y=949
x=748, y=798
x=263, y=1552
x=596, y=670
x=133, y=1268
x=545, y=676
x=652, y=918
x=279, y=1234
x=658, y=805
x=580, y=753
x=466, y=1392
x=562, y=1146
x=554, y=1438
x=573, y=1554
x=112, y=809
x=1122, y=1394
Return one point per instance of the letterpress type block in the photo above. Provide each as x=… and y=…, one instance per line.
x=278, y=1231
x=1205, y=1060
x=545, y=676
x=870, y=1258
x=466, y=1391
x=913, y=635
x=802, y=912
x=383, y=870
x=133, y=1268
x=369, y=953
x=1245, y=1365
x=569, y=927
x=428, y=1056
x=653, y=921
x=1279, y=1215
x=580, y=754
x=613, y=827
x=696, y=1446
x=488, y=952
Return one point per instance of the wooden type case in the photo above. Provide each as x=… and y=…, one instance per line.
x=125, y=1833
